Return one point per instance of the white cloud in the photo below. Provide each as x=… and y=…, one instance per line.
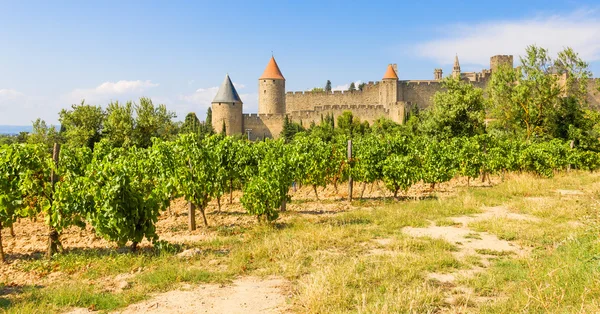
x=202, y=96
x=108, y=90
x=345, y=86
x=9, y=94
x=475, y=43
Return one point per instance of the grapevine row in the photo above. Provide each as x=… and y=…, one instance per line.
x=121, y=192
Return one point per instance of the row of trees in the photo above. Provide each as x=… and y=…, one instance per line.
x=352, y=87
x=120, y=124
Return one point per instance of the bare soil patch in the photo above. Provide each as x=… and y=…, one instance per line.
x=245, y=295
x=493, y=212
x=471, y=243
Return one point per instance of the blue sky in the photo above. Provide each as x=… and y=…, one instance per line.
x=55, y=53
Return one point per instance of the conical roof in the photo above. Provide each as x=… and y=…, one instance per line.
x=390, y=73
x=227, y=92
x=456, y=64
x=272, y=71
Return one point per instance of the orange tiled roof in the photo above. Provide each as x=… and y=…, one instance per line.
x=390, y=73
x=272, y=71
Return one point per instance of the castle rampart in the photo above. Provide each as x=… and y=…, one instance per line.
x=298, y=101
x=368, y=113
x=419, y=92
x=497, y=61
x=263, y=125
x=389, y=98
x=594, y=93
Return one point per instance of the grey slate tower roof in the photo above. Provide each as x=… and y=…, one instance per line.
x=227, y=93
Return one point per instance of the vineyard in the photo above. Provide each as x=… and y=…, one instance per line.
x=486, y=201
x=121, y=192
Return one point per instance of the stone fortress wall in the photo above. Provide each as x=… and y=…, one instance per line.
x=390, y=98
x=302, y=101
x=594, y=93
x=263, y=125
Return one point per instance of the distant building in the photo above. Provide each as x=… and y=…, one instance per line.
x=390, y=98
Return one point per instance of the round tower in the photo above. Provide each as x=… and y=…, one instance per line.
x=271, y=90
x=227, y=109
x=388, y=88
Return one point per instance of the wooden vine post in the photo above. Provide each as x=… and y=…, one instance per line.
x=53, y=241
x=350, y=183
x=1, y=250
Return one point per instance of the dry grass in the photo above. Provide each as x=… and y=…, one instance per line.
x=358, y=259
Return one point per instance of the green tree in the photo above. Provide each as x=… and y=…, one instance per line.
x=352, y=87
x=82, y=124
x=328, y=86
x=361, y=86
x=290, y=129
x=152, y=121
x=208, y=123
x=7, y=139
x=458, y=111
x=191, y=124
x=42, y=134
x=119, y=124
x=350, y=125
x=317, y=90
x=524, y=99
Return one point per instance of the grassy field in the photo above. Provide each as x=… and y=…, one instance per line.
x=379, y=256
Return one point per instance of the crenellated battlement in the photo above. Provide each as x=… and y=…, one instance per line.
x=420, y=82
x=262, y=116
x=367, y=88
x=388, y=98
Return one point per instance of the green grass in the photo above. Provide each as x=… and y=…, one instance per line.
x=335, y=266
x=563, y=280
x=446, y=222
x=527, y=233
x=493, y=252
x=473, y=235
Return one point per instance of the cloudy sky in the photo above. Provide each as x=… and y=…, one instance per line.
x=57, y=53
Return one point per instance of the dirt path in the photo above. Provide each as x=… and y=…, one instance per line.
x=245, y=295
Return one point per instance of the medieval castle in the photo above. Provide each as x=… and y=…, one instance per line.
x=390, y=98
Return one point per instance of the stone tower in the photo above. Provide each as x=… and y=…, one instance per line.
x=227, y=108
x=388, y=90
x=437, y=74
x=497, y=61
x=271, y=90
x=456, y=68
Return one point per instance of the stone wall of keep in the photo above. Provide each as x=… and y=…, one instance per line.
x=594, y=93
x=300, y=101
x=368, y=113
x=419, y=93
x=263, y=125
